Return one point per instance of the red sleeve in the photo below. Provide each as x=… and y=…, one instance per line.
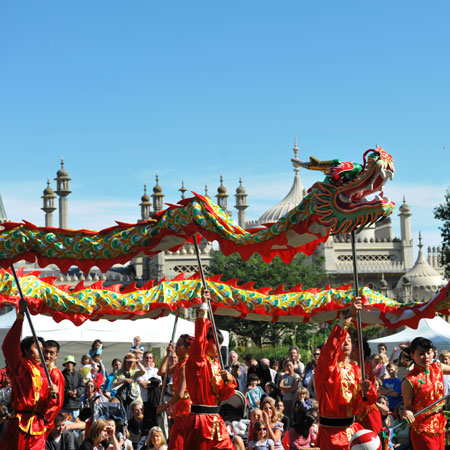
x=55, y=405
x=227, y=390
x=11, y=345
x=197, y=353
x=328, y=359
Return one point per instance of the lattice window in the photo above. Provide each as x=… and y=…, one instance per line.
x=367, y=258
x=187, y=268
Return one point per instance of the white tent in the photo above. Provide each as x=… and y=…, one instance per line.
x=117, y=337
x=436, y=330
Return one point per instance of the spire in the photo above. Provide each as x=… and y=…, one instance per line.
x=157, y=196
x=62, y=190
x=206, y=191
x=222, y=195
x=182, y=190
x=3, y=216
x=295, y=150
x=48, y=204
x=241, y=203
x=145, y=205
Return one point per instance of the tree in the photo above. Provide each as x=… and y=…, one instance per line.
x=300, y=270
x=442, y=212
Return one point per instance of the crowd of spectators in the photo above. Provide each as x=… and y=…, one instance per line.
x=117, y=408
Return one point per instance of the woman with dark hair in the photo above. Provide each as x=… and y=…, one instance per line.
x=180, y=403
x=422, y=386
x=301, y=433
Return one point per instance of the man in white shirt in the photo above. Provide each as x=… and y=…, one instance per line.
x=149, y=385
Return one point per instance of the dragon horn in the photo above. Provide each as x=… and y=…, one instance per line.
x=313, y=164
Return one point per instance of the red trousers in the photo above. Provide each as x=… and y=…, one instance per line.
x=15, y=439
x=194, y=436
x=425, y=442
x=336, y=438
x=176, y=436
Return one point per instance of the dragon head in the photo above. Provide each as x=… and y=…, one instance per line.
x=342, y=201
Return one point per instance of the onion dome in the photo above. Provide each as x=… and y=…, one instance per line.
x=157, y=189
x=292, y=199
x=424, y=280
x=241, y=189
x=145, y=197
x=404, y=208
x=48, y=191
x=62, y=172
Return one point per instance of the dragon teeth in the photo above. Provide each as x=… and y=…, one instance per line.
x=344, y=199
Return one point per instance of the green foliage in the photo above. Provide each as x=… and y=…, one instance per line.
x=300, y=270
x=442, y=212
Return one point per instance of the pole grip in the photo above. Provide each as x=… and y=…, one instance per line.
x=211, y=315
x=33, y=332
x=358, y=316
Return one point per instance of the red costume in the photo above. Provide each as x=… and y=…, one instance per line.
x=29, y=397
x=369, y=415
x=427, y=431
x=205, y=431
x=58, y=380
x=179, y=409
x=339, y=394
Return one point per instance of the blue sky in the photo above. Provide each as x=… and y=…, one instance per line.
x=193, y=89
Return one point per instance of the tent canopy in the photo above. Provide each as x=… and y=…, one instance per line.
x=117, y=337
x=436, y=330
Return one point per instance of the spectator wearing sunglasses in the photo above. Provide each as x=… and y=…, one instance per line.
x=260, y=440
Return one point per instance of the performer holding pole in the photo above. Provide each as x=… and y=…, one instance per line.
x=358, y=315
x=180, y=403
x=208, y=385
x=30, y=322
x=422, y=387
x=340, y=387
x=211, y=315
x=32, y=395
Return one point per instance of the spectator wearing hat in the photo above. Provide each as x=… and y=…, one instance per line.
x=74, y=387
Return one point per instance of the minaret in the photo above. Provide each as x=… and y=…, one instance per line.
x=62, y=190
x=405, y=227
x=49, y=204
x=3, y=216
x=157, y=196
x=241, y=203
x=145, y=205
x=222, y=196
x=182, y=190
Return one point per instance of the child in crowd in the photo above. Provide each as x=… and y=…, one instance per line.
x=137, y=348
x=260, y=441
x=254, y=392
x=383, y=406
x=392, y=387
x=96, y=348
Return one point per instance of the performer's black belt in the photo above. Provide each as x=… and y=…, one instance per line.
x=336, y=421
x=204, y=409
x=33, y=413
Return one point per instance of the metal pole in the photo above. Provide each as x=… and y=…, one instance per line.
x=169, y=354
x=27, y=313
x=358, y=316
x=421, y=411
x=211, y=315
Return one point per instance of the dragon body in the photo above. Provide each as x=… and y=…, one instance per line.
x=338, y=204
x=152, y=301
